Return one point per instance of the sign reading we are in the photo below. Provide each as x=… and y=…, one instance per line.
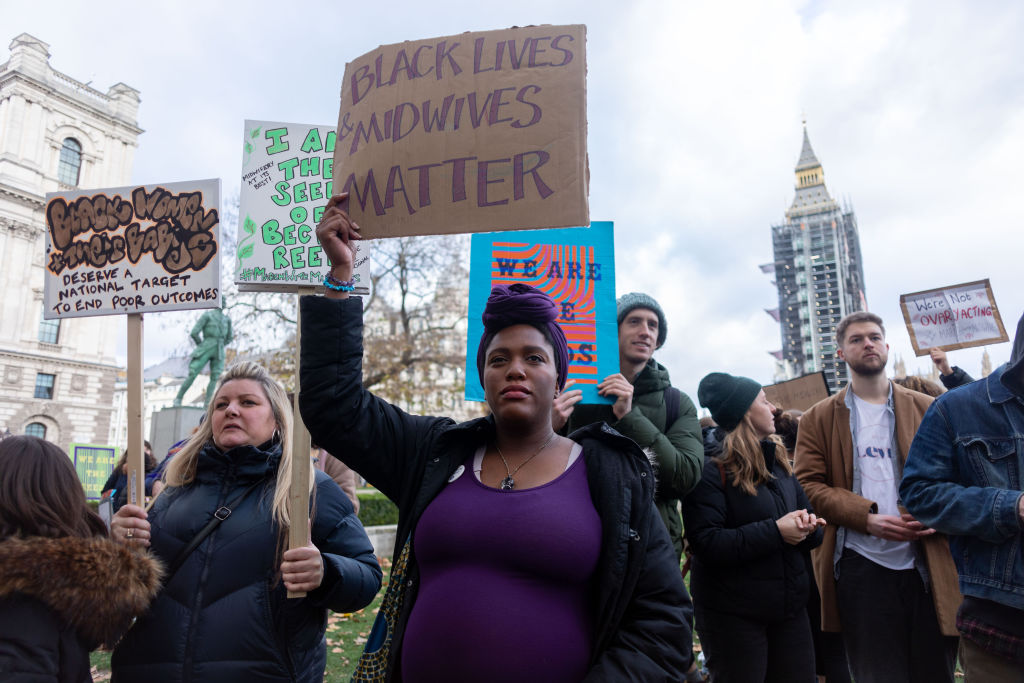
x=469, y=133
x=132, y=249
x=576, y=267
x=954, y=317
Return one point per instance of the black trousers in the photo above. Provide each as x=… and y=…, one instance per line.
x=740, y=650
x=889, y=625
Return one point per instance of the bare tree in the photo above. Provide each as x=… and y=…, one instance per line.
x=417, y=316
x=415, y=329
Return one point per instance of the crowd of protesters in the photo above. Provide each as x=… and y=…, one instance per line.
x=875, y=537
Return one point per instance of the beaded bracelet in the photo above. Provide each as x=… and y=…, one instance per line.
x=331, y=282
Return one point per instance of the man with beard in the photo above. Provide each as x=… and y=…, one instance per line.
x=887, y=582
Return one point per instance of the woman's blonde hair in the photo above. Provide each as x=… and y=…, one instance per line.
x=743, y=459
x=182, y=470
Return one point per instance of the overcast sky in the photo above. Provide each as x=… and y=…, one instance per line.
x=915, y=109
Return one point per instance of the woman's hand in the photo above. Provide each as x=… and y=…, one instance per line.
x=798, y=525
x=302, y=569
x=335, y=233
x=564, y=404
x=129, y=526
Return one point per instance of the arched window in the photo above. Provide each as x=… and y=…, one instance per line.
x=70, y=162
x=36, y=429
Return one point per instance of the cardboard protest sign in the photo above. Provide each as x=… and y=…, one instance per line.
x=287, y=178
x=132, y=249
x=469, y=133
x=955, y=317
x=576, y=266
x=800, y=393
x=93, y=464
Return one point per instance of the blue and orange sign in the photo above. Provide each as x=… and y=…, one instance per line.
x=576, y=266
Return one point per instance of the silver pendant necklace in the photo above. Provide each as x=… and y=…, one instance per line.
x=508, y=483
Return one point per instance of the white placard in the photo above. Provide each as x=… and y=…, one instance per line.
x=954, y=317
x=287, y=178
x=134, y=249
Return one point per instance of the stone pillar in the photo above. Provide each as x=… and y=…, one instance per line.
x=171, y=425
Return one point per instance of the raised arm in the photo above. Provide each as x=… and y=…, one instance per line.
x=381, y=442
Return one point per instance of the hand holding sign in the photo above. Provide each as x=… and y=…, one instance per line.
x=565, y=403
x=950, y=318
x=618, y=387
x=335, y=233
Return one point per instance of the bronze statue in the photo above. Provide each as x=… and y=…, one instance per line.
x=215, y=327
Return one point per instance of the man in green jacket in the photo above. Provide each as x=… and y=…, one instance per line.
x=661, y=419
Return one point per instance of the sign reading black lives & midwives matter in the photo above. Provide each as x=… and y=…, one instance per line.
x=474, y=132
x=132, y=249
x=287, y=178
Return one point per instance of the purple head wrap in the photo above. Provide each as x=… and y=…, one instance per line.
x=521, y=304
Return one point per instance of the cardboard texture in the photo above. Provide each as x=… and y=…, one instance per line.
x=576, y=266
x=800, y=393
x=477, y=132
x=134, y=249
x=287, y=178
x=954, y=317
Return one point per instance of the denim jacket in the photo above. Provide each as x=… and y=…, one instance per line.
x=963, y=477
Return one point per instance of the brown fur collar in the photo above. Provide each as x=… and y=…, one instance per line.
x=96, y=585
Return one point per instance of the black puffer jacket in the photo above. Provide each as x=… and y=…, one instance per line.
x=638, y=597
x=957, y=378
x=675, y=449
x=224, y=615
x=741, y=564
x=61, y=598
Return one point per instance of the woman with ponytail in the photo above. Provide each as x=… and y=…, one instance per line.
x=749, y=525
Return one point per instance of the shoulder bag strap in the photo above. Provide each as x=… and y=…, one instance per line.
x=219, y=515
x=672, y=400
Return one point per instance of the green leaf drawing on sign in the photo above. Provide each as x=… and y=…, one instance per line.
x=244, y=252
x=248, y=147
x=249, y=225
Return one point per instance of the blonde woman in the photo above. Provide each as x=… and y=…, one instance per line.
x=749, y=524
x=223, y=613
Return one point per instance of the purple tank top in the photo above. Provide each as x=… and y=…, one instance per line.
x=505, y=581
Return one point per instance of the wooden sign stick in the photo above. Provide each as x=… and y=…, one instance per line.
x=136, y=467
x=298, y=495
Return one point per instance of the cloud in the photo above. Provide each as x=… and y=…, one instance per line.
x=914, y=108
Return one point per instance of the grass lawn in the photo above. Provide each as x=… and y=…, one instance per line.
x=346, y=634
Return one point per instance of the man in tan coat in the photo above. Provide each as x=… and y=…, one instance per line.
x=887, y=582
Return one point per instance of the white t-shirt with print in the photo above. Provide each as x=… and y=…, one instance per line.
x=878, y=483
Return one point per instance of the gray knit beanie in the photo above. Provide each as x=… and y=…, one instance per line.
x=627, y=302
x=727, y=397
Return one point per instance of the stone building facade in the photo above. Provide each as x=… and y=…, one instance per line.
x=57, y=377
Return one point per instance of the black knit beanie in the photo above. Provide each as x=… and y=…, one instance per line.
x=627, y=302
x=727, y=397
